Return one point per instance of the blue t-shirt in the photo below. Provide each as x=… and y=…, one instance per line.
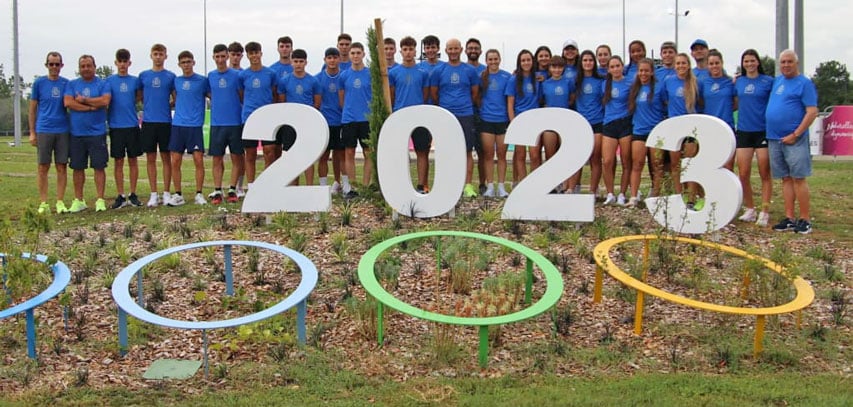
x=51, y=116
x=299, y=90
x=479, y=68
x=648, y=111
x=94, y=123
x=190, y=92
x=752, y=96
x=588, y=100
x=428, y=68
x=493, y=97
x=617, y=107
x=281, y=70
x=529, y=98
x=719, y=96
x=556, y=92
x=787, y=105
x=357, y=95
x=408, y=84
x=700, y=74
x=122, y=112
x=570, y=73
x=258, y=89
x=225, y=105
x=454, y=85
x=630, y=71
x=157, y=90
x=673, y=94
x=343, y=66
x=330, y=105
x=662, y=72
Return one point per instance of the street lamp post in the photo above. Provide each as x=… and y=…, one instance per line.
x=678, y=14
x=205, y=37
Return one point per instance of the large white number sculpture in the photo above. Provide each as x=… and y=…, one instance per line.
x=723, y=194
x=270, y=191
x=530, y=199
x=392, y=156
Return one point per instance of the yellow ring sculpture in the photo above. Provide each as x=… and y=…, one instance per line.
x=805, y=293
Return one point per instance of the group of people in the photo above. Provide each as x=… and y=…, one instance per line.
x=622, y=101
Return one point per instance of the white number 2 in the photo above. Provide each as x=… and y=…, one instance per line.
x=723, y=193
x=270, y=191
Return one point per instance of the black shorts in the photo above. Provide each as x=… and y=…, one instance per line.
x=597, y=128
x=156, y=135
x=286, y=136
x=125, y=142
x=639, y=137
x=751, y=139
x=422, y=139
x=225, y=136
x=335, y=142
x=467, y=123
x=355, y=132
x=496, y=128
x=618, y=128
x=89, y=151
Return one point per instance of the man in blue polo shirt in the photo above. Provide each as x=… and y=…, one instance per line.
x=190, y=92
x=87, y=97
x=157, y=96
x=355, y=94
x=49, y=130
x=409, y=87
x=124, y=129
x=790, y=111
x=226, y=130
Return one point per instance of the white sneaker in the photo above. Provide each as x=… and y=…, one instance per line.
x=167, y=197
x=490, y=191
x=639, y=195
x=502, y=191
x=240, y=192
x=632, y=202
x=176, y=200
x=213, y=194
x=620, y=200
x=336, y=187
x=153, y=201
x=763, y=219
x=577, y=189
x=748, y=215
x=610, y=199
x=199, y=199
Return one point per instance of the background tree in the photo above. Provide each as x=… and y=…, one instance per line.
x=769, y=65
x=104, y=71
x=7, y=107
x=832, y=81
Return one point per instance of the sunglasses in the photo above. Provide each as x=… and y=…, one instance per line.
x=53, y=64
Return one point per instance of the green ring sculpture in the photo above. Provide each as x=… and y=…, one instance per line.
x=553, y=289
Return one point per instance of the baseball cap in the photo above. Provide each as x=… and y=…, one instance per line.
x=699, y=41
x=332, y=51
x=570, y=42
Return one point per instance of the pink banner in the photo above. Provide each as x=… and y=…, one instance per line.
x=838, y=131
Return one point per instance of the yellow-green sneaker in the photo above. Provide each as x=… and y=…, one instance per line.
x=44, y=208
x=100, y=205
x=700, y=203
x=60, y=207
x=77, y=206
x=469, y=191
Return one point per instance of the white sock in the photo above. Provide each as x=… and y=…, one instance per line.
x=345, y=183
x=324, y=181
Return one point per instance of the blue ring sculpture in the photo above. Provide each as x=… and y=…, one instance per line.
x=61, y=278
x=126, y=305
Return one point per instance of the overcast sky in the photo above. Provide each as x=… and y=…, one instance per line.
x=99, y=27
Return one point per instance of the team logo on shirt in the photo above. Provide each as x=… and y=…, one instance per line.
x=528, y=88
x=356, y=83
x=333, y=88
x=569, y=75
x=750, y=89
x=715, y=88
x=559, y=91
x=680, y=92
x=454, y=78
x=587, y=89
x=155, y=83
x=256, y=83
x=186, y=85
x=643, y=96
x=299, y=89
x=614, y=93
x=55, y=92
x=493, y=85
x=122, y=87
x=780, y=90
x=86, y=92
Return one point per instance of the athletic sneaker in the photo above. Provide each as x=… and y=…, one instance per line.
x=176, y=200
x=167, y=197
x=232, y=197
x=351, y=194
x=610, y=199
x=502, y=191
x=216, y=197
x=803, y=227
x=620, y=200
x=133, y=200
x=469, y=191
x=199, y=199
x=336, y=187
x=490, y=191
x=633, y=202
x=60, y=207
x=700, y=203
x=100, y=205
x=240, y=192
x=44, y=207
x=785, y=225
x=77, y=206
x=748, y=215
x=763, y=219
x=481, y=189
x=153, y=201
x=119, y=202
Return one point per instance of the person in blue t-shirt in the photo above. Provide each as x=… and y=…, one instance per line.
x=790, y=111
x=48, y=122
x=157, y=95
x=191, y=89
x=617, y=130
x=409, y=85
x=753, y=91
x=522, y=94
x=259, y=88
x=636, y=52
x=543, y=58
x=284, y=65
x=602, y=55
x=430, y=46
x=570, y=54
x=300, y=87
x=124, y=128
x=226, y=130
x=493, y=122
x=699, y=50
x=235, y=55
x=473, y=50
x=330, y=107
x=667, y=59
x=587, y=100
x=344, y=43
x=355, y=93
x=717, y=91
x=646, y=105
x=87, y=97
x=389, y=49
x=681, y=94
x=555, y=92
x=455, y=86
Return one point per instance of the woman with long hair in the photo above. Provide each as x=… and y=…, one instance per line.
x=543, y=58
x=522, y=94
x=617, y=129
x=570, y=54
x=493, y=121
x=753, y=91
x=681, y=94
x=602, y=55
x=636, y=52
x=589, y=91
x=717, y=91
x=646, y=106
